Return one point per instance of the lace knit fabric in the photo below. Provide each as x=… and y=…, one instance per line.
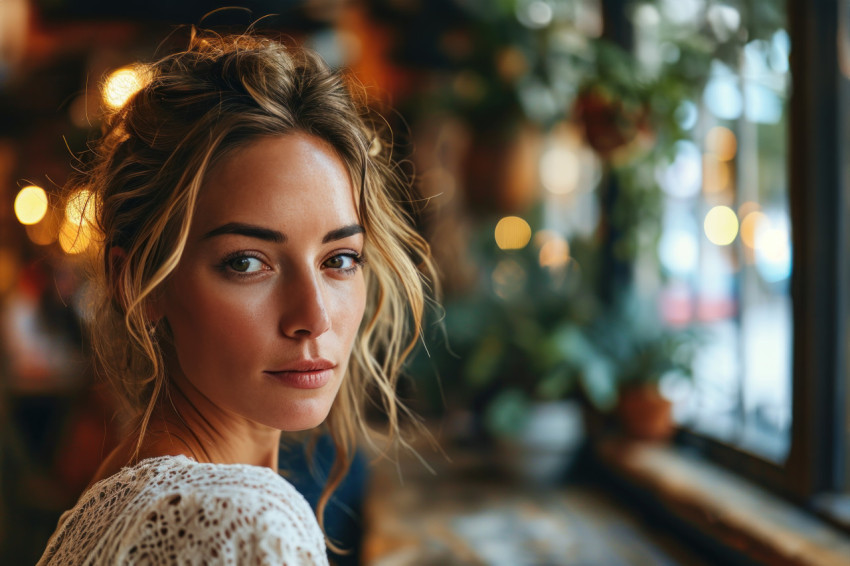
x=173, y=510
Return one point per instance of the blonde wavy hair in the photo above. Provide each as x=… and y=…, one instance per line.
x=144, y=176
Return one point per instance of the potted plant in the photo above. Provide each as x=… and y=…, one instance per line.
x=519, y=358
x=644, y=352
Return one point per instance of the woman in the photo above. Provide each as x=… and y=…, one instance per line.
x=257, y=275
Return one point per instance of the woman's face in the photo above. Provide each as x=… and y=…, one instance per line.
x=268, y=296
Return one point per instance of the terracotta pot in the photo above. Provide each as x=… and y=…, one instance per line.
x=643, y=413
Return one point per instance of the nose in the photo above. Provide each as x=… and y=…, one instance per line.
x=305, y=313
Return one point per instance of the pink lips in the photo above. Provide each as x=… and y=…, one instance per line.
x=305, y=374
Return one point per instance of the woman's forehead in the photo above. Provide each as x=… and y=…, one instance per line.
x=278, y=180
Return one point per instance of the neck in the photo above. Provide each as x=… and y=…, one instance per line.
x=187, y=422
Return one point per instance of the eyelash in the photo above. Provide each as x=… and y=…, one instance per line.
x=225, y=267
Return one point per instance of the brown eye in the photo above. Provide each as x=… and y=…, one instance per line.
x=245, y=264
x=335, y=262
x=343, y=262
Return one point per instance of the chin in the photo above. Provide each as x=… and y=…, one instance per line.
x=306, y=416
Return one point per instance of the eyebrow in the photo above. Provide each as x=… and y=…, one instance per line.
x=249, y=230
x=269, y=235
x=344, y=232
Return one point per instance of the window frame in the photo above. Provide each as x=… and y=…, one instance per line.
x=820, y=240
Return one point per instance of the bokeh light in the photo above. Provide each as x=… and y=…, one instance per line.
x=687, y=115
x=120, y=86
x=750, y=225
x=45, y=232
x=508, y=279
x=512, y=233
x=683, y=177
x=80, y=208
x=773, y=250
x=678, y=250
x=681, y=12
x=646, y=15
x=717, y=174
x=555, y=253
x=747, y=207
x=511, y=63
x=721, y=141
x=74, y=238
x=560, y=170
x=543, y=236
x=722, y=94
x=721, y=225
x=535, y=14
x=30, y=205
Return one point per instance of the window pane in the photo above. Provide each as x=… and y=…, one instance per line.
x=725, y=244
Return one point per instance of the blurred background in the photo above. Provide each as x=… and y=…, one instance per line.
x=637, y=206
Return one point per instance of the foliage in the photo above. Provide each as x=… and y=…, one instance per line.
x=643, y=349
x=554, y=334
x=531, y=333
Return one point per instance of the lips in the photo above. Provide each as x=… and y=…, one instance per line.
x=304, y=374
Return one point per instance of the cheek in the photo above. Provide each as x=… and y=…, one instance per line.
x=349, y=306
x=224, y=327
x=213, y=324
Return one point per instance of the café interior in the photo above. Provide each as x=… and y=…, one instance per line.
x=638, y=354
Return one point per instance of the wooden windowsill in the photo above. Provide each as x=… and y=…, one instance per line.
x=725, y=507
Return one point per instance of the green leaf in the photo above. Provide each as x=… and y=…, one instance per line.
x=484, y=363
x=556, y=384
x=507, y=413
x=600, y=383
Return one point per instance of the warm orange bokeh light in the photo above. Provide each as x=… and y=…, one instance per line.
x=120, y=86
x=717, y=175
x=80, y=208
x=30, y=205
x=721, y=141
x=74, y=238
x=555, y=253
x=512, y=233
x=749, y=225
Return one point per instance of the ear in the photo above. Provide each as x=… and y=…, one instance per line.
x=117, y=263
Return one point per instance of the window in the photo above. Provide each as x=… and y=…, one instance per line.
x=725, y=244
x=759, y=193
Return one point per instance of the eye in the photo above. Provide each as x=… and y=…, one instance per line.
x=245, y=264
x=344, y=262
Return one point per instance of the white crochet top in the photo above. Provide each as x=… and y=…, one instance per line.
x=173, y=510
